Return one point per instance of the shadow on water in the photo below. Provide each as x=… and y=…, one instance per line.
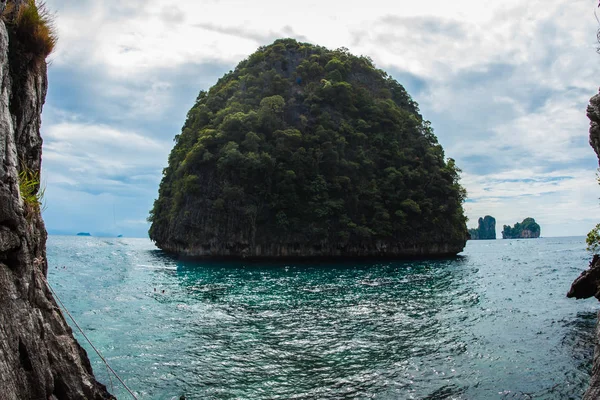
x=321, y=261
x=580, y=338
x=445, y=392
x=577, y=343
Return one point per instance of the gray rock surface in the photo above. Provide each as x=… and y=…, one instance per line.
x=39, y=358
x=588, y=283
x=593, y=113
x=591, y=277
x=593, y=392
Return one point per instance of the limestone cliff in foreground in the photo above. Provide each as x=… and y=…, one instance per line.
x=39, y=358
x=588, y=283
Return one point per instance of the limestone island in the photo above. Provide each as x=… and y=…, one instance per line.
x=528, y=229
x=305, y=152
x=486, y=229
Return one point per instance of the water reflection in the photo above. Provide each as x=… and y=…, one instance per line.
x=325, y=330
x=492, y=324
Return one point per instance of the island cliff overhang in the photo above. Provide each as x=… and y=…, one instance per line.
x=39, y=357
x=306, y=253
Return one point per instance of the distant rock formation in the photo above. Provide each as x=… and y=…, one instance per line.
x=84, y=234
x=486, y=229
x=528, y=229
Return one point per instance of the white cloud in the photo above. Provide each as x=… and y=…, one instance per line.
x=155, y=33
x=505, y=85
x=99, y=158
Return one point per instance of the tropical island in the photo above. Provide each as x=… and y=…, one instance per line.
x=84, y=234
x=304, y=152
x=528, y=229
x=486, y=229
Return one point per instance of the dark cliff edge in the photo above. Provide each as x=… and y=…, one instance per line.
x=303, y=152
x=588, y=283
x=39, y=357
x=313, y=253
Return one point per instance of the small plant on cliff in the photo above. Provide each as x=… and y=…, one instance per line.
x=593, y=237
x=31, y=191
x=593, y=240
x=33, y=27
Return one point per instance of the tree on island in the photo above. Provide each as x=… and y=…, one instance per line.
x=486, y=229
x=528, y=229
x=307, y=151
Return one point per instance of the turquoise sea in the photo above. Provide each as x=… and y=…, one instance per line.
x=493, y=323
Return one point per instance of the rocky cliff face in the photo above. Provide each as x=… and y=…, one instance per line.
x=585, y=286
x=593, y=113
x=39, y=358
x=588, y=283
x=282, y=251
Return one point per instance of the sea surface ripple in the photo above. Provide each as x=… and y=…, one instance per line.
x=491, y=323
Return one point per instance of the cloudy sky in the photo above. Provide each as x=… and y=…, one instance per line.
x=505, y=85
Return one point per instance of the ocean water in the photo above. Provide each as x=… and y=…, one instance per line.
x=493, y=323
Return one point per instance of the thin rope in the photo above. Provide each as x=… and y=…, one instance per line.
x=112, y=386
x=89, y=341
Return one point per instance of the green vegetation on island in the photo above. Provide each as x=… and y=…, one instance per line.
x=486, y=229
x=593, y=240
x=304, y=151
x=528, y=229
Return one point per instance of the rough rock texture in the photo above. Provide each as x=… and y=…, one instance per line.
x=39, y=358
x=593, y=113
x=486, y=229
x=588, y=283
x=593, y=392
x=283, y=251
x=527, y=234
x=585, y=286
